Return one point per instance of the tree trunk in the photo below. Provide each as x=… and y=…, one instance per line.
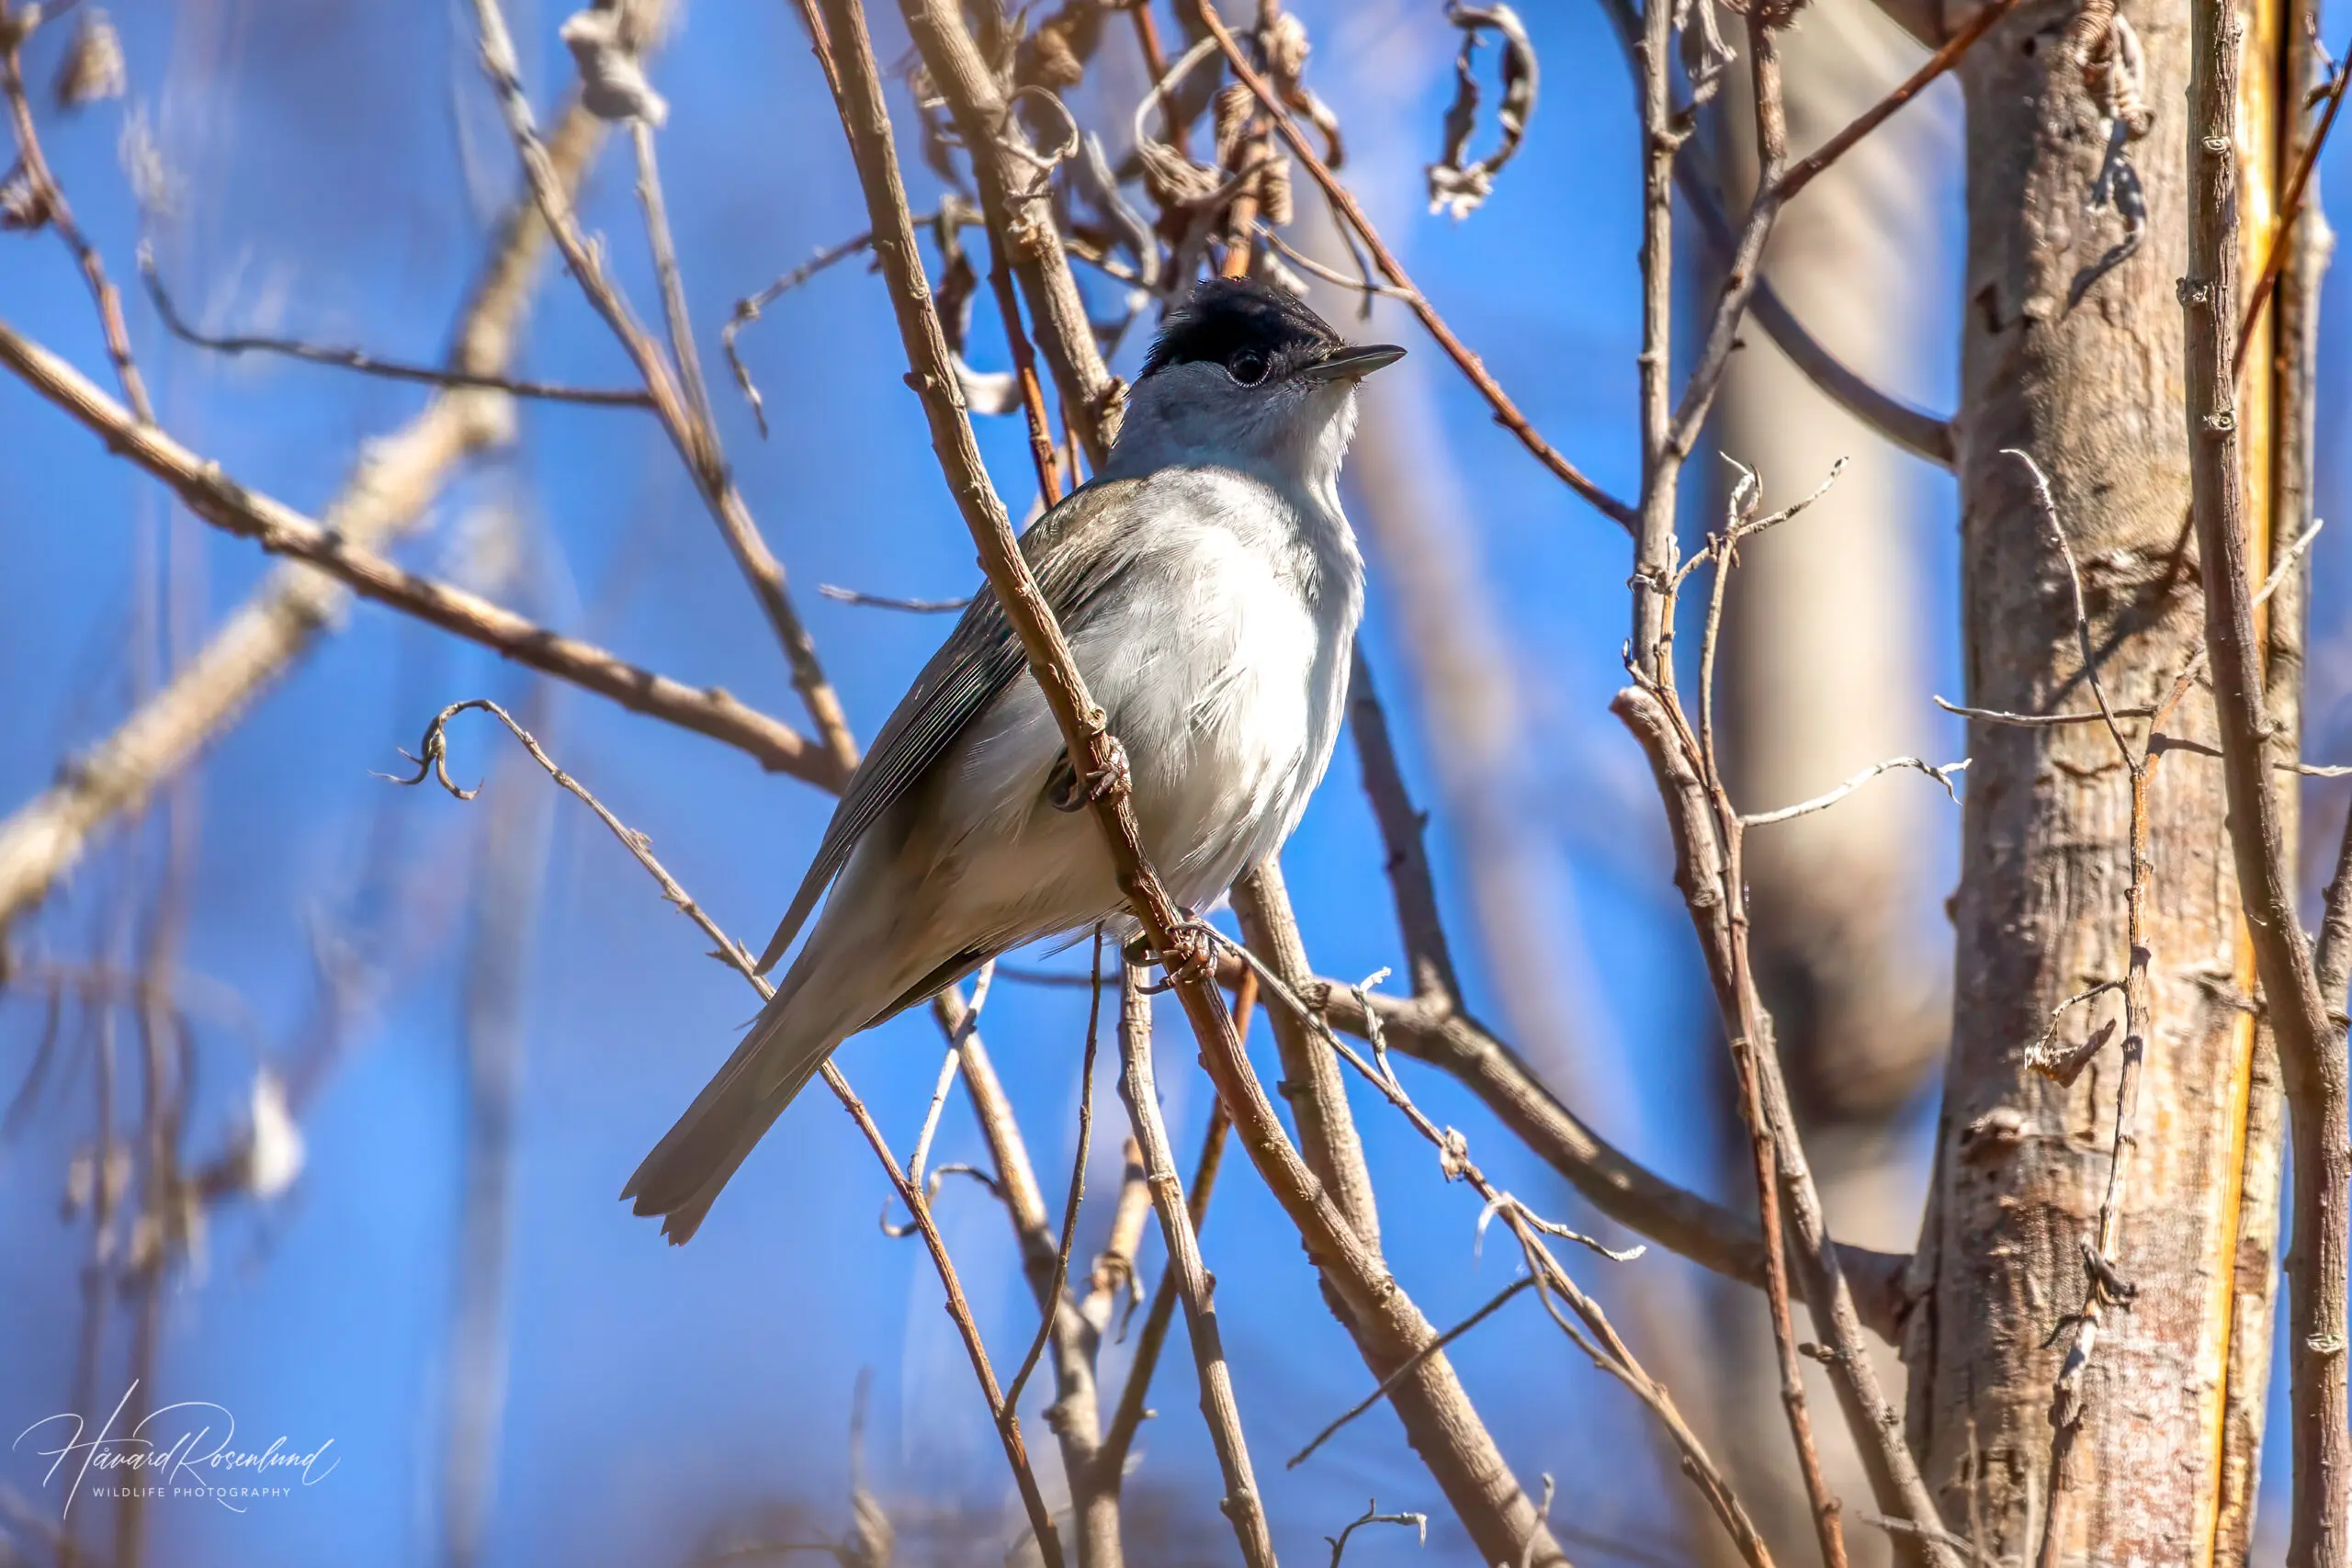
x=2092, y=388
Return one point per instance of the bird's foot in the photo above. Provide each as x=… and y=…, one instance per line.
x=1190, y=958
x=1063, y=790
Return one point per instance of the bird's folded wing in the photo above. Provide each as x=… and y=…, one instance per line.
x=1075, y=550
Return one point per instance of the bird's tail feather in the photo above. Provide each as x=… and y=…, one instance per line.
x=695, y=1159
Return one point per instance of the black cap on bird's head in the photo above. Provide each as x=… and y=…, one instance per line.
x=1260, y=336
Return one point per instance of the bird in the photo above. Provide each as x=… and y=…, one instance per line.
x=1210, y=587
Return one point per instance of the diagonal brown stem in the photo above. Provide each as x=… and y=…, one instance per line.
x=676, y=406
x=2311, y=1047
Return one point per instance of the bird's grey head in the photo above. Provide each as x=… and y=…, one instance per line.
x=1246, y=375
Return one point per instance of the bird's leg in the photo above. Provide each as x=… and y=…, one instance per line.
x=1114, y=777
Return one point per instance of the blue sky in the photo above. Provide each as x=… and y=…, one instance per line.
x=331, y=169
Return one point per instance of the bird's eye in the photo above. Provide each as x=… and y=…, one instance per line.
x=1247, y=367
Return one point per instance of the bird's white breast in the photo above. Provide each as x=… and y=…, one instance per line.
x=1221, y=659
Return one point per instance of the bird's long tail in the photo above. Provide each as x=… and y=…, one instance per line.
x=686, y=1171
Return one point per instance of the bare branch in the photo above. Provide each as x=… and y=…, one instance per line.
x=1118, y=1438
x=1618, y=1186
x=1746, y=262
x=281, y=530
x=1923, y=434
x=2042, y=720
x=1024, y=371
x=1241, y=1502
x=1266, y=914
x=2311, y=1048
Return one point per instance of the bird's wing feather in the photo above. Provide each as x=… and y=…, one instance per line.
x=1075, y=550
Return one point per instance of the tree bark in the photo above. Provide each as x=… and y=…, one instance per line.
x=2085, y=374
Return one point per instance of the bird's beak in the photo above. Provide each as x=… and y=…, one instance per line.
x=1353, y=361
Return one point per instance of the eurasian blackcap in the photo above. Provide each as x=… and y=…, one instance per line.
x=1210, y=587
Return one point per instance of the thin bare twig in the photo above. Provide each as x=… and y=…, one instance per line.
x=433, y=762
x=1373, y=1515
x=885, y=601
x=2103, y=1285
x=2042, y=720
x=50, y=206
x=1653, y=545
x=1076, y=1180
x=1118, y=1438
x=370, y=364
x=747, y=311
x=1944, y=775
x=2291, y=208
x=1024, y=370
x=1074, y=1330
x=2075, y=584
x=669, y=278
x=1493, y=1305
x=1707, y=833
x=1746, y=1025
x=1802, y=172
x=1740, y=272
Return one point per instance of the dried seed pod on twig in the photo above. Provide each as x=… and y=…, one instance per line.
x=2115, y=76
x=1253, y=168
x=1457, y=188
x=1055, y=56
x=1705, y=55
x=93, y=68
x=613, y=84
x=23, y=206
x=1283, y=45
x=987, y=392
